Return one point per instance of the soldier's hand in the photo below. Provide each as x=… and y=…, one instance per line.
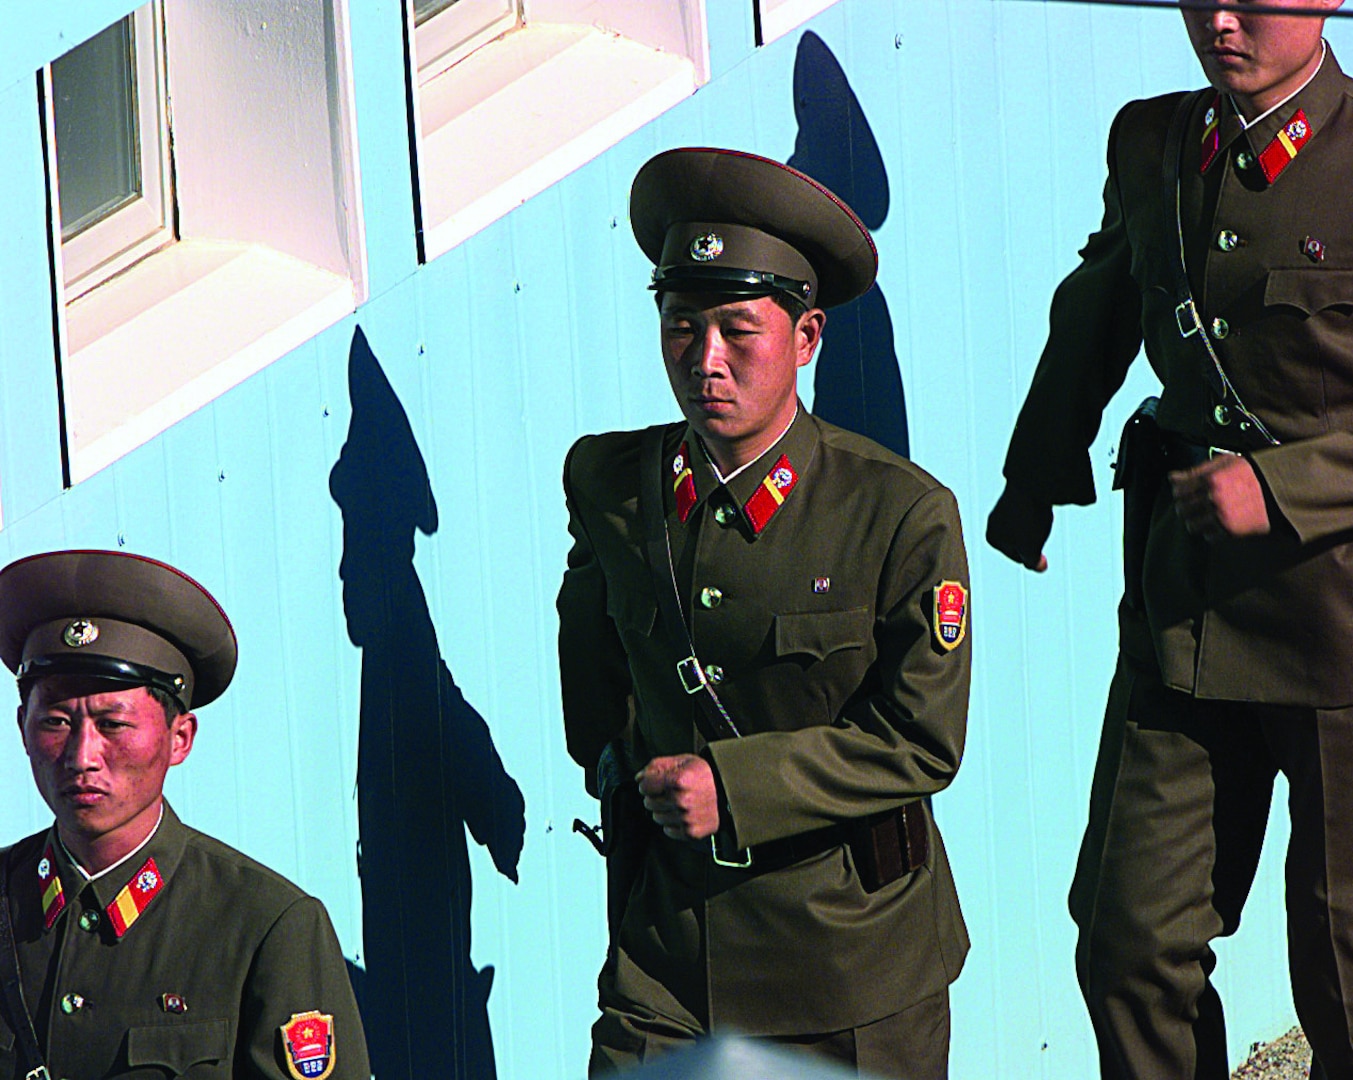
x=680, y=794
x=1221, y=497
x=1018, y=528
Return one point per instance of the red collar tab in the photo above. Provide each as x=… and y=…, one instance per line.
x=1211, y=134
x=1279, y=154
x=53, y=896
x=683, y=483
x=770, y=496
x=135, y=896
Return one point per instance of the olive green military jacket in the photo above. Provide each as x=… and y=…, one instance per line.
x=217, y=953
x=821, y=628
x=1271, y=266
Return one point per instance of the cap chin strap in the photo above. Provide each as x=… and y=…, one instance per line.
x=103, y=667
x=727, y=279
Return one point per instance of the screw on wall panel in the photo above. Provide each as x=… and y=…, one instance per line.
x=326, y=410
x=221, y=476
x=516, y=286
x=897, y=42
x=121, y=540
x=613, y=223
x=421, y=348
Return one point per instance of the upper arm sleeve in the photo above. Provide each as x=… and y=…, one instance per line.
x=900, y=742
x=594, y=675
x=1093, y=336
x=299, y=968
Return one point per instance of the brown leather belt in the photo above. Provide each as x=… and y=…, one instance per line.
x=885, y=846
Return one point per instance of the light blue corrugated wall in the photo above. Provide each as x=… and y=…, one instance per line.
x=990, y=116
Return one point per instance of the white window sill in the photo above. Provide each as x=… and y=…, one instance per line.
x=176, y=331
x=779, y=17
x=527, y=109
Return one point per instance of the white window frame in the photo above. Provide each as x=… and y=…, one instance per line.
x=571, y=80
x=144, y=223
x=267, y=251
x=778, y=17
x=449, y=36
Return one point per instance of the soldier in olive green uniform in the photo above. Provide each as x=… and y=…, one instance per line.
x=144, y=947
x=1236, y=643
x=791, y=882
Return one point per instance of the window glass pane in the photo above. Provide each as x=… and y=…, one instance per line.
x=425, y=9
x=94, y=106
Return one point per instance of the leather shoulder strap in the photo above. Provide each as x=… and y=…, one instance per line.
x=710, y=715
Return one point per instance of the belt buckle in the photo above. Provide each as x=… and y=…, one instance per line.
x=40, y=1073
x=737, y=864
x=1188, y=309
x=691, y=674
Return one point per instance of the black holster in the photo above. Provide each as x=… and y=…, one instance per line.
x=625, y=830
x=1138, y=472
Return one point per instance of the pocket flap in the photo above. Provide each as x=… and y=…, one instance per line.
x=1309, y=290
x=178, y=1047
x=821, y=633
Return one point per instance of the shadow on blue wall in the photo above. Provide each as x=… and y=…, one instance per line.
x=427, y=768
x=857, y=385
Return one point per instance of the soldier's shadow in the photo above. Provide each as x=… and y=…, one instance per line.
x=857, y=384
x=427, y=768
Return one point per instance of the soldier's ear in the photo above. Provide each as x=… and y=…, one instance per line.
x=808, y=333
x=182, y=731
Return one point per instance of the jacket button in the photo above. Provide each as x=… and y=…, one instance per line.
x=72, y=1003
x=89, y=921
x=714, y=673
x=1227, y=240
x=725, y=514
x=1222, y=415
x=711, y=597
x=1220, y=328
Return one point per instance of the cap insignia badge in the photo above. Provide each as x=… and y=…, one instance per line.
x=683, y=486
x=766, y=501
x=951, y=614
x=707, y=248
x=135, y=897
x=1313, y=249
x=79, y=633
x=309, y=1041
x=53, y=897
x=173, y=1003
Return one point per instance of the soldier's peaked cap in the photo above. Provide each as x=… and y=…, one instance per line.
x=115, y=616
x=725, y=221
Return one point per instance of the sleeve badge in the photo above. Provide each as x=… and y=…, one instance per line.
x=308, y=1039
x=950, y=620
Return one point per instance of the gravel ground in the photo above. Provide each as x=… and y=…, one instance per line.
x=1287, y=1058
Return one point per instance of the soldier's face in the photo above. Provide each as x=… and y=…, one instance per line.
x=99, y=756
x=1259, y=58
x=733, y=366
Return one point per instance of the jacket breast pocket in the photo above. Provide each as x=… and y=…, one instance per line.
x=1309, y=290
x=820, y=633
x=180, y=1047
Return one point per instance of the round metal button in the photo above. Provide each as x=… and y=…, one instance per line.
x=1222, y=415
x=1227, y=240
x=72, y=1003
x=711, y=597
x=714, y=673
x=89, y=921
x=1220, y=328
x=725, y=514
x=1244, y=160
